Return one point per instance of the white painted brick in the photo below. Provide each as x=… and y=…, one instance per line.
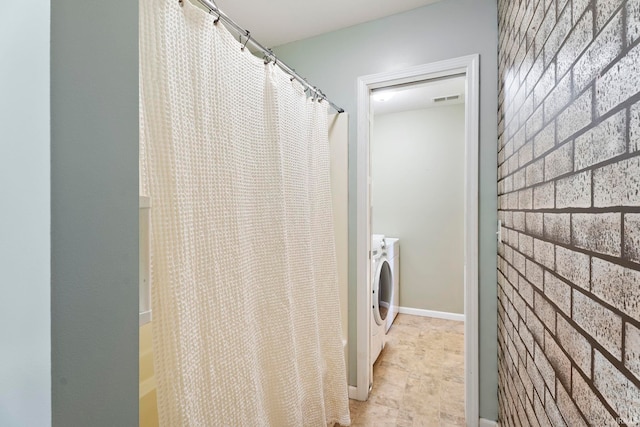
x=599, y=322
x=574, y=191
x=606, y=46
x=557, y=36
x=519, y=138
x=535, y=172
x=573, y=266
x=525, y=154
x=559, y=161
x=512, y=200
x=543, y=196
x=579, y=39
x=535, y=326
x=508, y=254
x=526, y=380
x=594, y=411
x=525, y=245
x=575, y=345
x=568, y=409
x=534, y=375
x=545, y=29
x=545, y=311
x=633, y=20
x=617, y=184
x=518, y=221
x=619, y=391
x=539, y=416
x=545, y=368
x=634, y=126
x=512, y=275
x=525, y=199
x=597, y=232
x=558, y=292
x=507, y=218
x=544, y=85
x=526, y=291
x=578, y=8
x=519, y=179
x=632, y=349
x=603, y=142
x=619, y=83
x=617, y=285
x=519, y=262
x=512, y=238
x=507, y=184
x=551, y=409
x=559, y=97
x=534, y=123
x=535, y=274
x=557, y=227
x=604, y=10
x=534, y=223
x=558, y=360
x=545, y=140
x=632, y=237
x=544, y=253
x=576, y=117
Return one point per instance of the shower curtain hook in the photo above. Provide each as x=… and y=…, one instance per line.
x=215, y=22
x=246, y=41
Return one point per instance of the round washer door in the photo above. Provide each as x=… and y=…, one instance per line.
x=382, y=289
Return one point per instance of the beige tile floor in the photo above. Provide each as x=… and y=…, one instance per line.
x=418, y=379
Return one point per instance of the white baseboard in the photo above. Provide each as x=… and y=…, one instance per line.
x=487, y=423
x=431, y=313
x=353, y=392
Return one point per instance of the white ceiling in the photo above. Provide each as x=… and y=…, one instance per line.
x=276, y=22
x=419, y=95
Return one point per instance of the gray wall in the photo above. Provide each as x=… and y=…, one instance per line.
x=94, y=212
x=25, y=363
x=417, y=193
x=569, y=185
x=443, y=30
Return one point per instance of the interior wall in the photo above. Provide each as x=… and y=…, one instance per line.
x=569, y=266
x=417, y=195
x=25, y=362
x=443, y=30
x=94, y=212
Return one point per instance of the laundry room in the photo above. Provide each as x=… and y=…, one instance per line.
x=417, y=200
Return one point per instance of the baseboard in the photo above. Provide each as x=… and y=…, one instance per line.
x=353, y=392
x=487, y=423
x=431, y=313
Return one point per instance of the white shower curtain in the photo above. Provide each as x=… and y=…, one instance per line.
x=246, y=322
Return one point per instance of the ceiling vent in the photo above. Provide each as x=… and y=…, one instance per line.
x=446, y=98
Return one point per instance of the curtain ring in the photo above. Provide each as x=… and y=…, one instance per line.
x=246, y=41
x=215, y=22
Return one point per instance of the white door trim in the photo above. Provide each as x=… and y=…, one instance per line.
x=468, y=65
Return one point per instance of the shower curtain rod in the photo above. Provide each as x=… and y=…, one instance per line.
x=269, y=55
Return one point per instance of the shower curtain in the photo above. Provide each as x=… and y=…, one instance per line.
x=235, y=157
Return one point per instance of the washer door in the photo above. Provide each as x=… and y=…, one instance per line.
x=382, y=291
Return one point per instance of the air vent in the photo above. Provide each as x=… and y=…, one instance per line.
x=446, y=98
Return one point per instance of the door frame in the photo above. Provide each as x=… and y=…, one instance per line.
x=468, y=65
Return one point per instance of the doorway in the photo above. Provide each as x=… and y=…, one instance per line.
x=467, y=68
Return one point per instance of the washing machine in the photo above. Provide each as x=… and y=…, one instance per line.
x=392, y=246
x=381, y=294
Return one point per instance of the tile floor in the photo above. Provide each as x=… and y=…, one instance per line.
x=418, y=379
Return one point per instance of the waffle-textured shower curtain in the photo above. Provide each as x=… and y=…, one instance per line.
x=235, y=157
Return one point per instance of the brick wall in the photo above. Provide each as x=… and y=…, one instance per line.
x=569, y=200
